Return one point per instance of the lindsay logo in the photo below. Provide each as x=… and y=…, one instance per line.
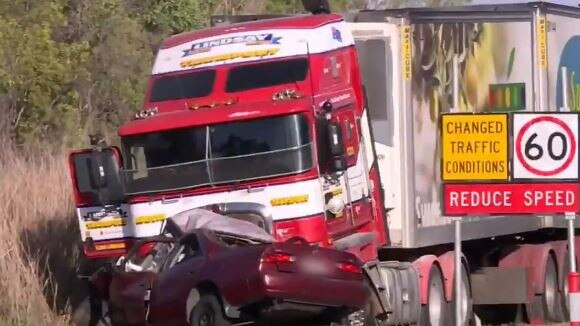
x=336, y=34
x=247, y=39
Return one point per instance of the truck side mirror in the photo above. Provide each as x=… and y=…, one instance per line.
x=336, y=147
x=316, y=7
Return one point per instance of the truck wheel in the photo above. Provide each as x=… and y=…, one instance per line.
x=436, y=311
x=208, y=312
x=466, y=300
x=564, y=300
x=543, y=307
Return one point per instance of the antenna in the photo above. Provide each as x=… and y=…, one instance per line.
x=316, y=7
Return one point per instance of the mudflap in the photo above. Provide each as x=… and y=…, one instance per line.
x=395, y=286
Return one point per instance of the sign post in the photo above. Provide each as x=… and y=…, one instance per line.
x=457, y=221
x=570, y=218
x=488, y=168
x=570, y=221
x=474, y=148
x=458, y=270
x=547, y=148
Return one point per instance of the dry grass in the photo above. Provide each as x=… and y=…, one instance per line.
x=38, y=239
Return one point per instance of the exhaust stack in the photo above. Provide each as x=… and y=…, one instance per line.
x=316, y=7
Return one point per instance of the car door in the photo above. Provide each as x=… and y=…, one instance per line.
x=168, y=304
x=131, y=281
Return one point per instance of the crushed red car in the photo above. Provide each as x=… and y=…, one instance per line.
x=209, y=269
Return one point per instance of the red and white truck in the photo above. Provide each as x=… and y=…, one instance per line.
x=326, y=126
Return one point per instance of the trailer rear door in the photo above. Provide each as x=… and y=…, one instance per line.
x=377, y=47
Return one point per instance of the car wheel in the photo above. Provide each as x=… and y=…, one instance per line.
x=104, y=319
x=369, y=313
x=363, y=317
x=208, y=312
x=92, y=313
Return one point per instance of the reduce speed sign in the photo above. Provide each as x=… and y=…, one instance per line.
x=545, y=146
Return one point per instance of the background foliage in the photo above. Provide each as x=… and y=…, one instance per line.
x=68, y=67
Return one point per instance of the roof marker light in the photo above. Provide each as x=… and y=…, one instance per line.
x=146, y=113
x=287, y=94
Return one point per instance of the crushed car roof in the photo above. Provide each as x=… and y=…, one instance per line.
x=197, y=218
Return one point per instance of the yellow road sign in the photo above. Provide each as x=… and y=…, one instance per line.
x=474, y=147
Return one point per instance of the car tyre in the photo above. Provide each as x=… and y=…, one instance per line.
x=370, y=310
x=208, y=312
x=368, y=314
x=104, y=319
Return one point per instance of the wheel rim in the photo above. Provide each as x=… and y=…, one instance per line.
x=551, y=288
x=436, y=301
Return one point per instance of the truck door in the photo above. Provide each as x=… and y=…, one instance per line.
x=358, y=206
x=99, y=199
x=95, y=176
x=338, y=219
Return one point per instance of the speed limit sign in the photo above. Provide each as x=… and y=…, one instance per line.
x=545, y=146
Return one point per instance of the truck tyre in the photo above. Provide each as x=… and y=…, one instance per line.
x=543, y=307
x=436, y=311
x=466, y=302
x=564, y=304
x=208, y=312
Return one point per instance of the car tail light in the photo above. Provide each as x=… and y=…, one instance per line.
x=278, y=257
x=145, y=249
x=350, y=268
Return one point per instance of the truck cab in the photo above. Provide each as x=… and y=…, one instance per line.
x=263, y=121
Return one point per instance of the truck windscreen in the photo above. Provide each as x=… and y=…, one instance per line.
x=266, y=74
x=216, y=154
x=181, y=86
